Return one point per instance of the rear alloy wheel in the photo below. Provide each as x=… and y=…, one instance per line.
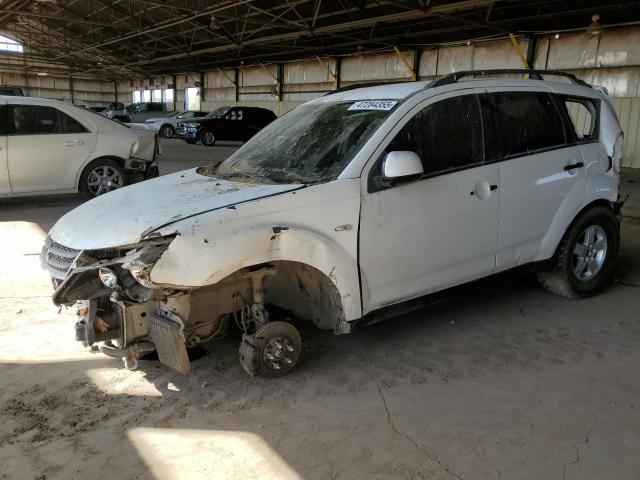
x=584, y=260
x=589, y=253
x=273, y=351
x=167, y=131
x=102, y=176
x=208, y=138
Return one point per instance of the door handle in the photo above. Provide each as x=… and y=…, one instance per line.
x=68, y=143
x=483, y=190
x=79, y=142
x=573, y=166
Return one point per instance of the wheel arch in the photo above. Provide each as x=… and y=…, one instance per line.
x=556, y=235
x=295, y=287
x=193, y=262
x=173, y=127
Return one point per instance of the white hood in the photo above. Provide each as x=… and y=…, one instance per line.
x=126, y=215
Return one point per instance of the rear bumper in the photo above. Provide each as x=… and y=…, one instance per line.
x=139, y=169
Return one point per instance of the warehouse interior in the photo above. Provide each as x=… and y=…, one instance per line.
x=279, y=56
x=500, y=381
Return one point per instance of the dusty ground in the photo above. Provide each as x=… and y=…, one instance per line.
x=502, y=381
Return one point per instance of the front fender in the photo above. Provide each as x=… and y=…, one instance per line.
x=194, y=261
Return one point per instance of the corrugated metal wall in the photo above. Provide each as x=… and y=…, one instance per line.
x=611, y=59
x=628, y=110
x=82, y=91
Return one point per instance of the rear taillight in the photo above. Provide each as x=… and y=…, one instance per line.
x=618, y=153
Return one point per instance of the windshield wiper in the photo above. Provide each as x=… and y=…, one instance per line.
x=253, y=176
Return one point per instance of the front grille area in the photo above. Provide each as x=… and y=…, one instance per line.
x=57, y=259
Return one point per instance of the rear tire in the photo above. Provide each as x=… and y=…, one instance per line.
x=583, y=262
x=167, y=131
x=101, y=176
x=208, y=138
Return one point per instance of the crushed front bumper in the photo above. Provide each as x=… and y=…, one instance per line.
x=128, y=330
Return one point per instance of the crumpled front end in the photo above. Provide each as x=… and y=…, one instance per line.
x=120, y=311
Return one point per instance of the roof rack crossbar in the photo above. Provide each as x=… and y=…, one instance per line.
x=533, y=75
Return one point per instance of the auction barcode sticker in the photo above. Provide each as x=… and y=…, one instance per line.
x=373, y=105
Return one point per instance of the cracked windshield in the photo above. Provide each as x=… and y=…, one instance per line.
x=310, y=144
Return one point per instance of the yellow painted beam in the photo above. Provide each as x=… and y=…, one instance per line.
x=324, y=65
x=266, y=69
x=406, y=63
x=227, y=76
x=519, y=51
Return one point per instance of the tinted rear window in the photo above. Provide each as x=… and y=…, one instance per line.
x=517, y=123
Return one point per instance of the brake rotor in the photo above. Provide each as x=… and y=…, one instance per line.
x=272, y=351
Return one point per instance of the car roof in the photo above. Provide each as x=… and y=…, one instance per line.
x=34, y=100
x=404, y=90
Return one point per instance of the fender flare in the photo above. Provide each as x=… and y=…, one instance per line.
x=195, y=261
x=604, y=191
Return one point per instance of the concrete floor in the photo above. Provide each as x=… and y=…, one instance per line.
x=503, y=380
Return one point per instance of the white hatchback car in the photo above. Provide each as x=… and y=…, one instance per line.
x=50, y=147
x=351, y=208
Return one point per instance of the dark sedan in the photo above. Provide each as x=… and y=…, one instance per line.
x=225, y=123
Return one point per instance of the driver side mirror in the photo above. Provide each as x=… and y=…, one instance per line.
x=401, y=164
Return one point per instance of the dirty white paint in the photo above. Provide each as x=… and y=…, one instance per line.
x=298, y=225
x=222, y=227
x=149, y=205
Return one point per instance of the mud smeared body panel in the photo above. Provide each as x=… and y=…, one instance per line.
x=128, y=214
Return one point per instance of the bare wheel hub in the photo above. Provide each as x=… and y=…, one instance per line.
x=272, y=351
x=278, y=352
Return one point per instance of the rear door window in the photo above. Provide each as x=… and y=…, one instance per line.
x=40, y=120
x=518, y=123
x=446, y=135
x=70, y=125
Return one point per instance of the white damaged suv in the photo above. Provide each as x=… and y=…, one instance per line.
x=350, y=208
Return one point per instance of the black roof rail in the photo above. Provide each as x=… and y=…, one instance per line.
x=533, y=75
x=353, y=86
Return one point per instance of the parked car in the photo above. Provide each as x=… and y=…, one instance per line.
x=225, y=123
x=12, y=91
x=139, y=112
x=166, y=126
x=351, y=208
x=117, y=111
x=136, y=112
x=49, y=147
